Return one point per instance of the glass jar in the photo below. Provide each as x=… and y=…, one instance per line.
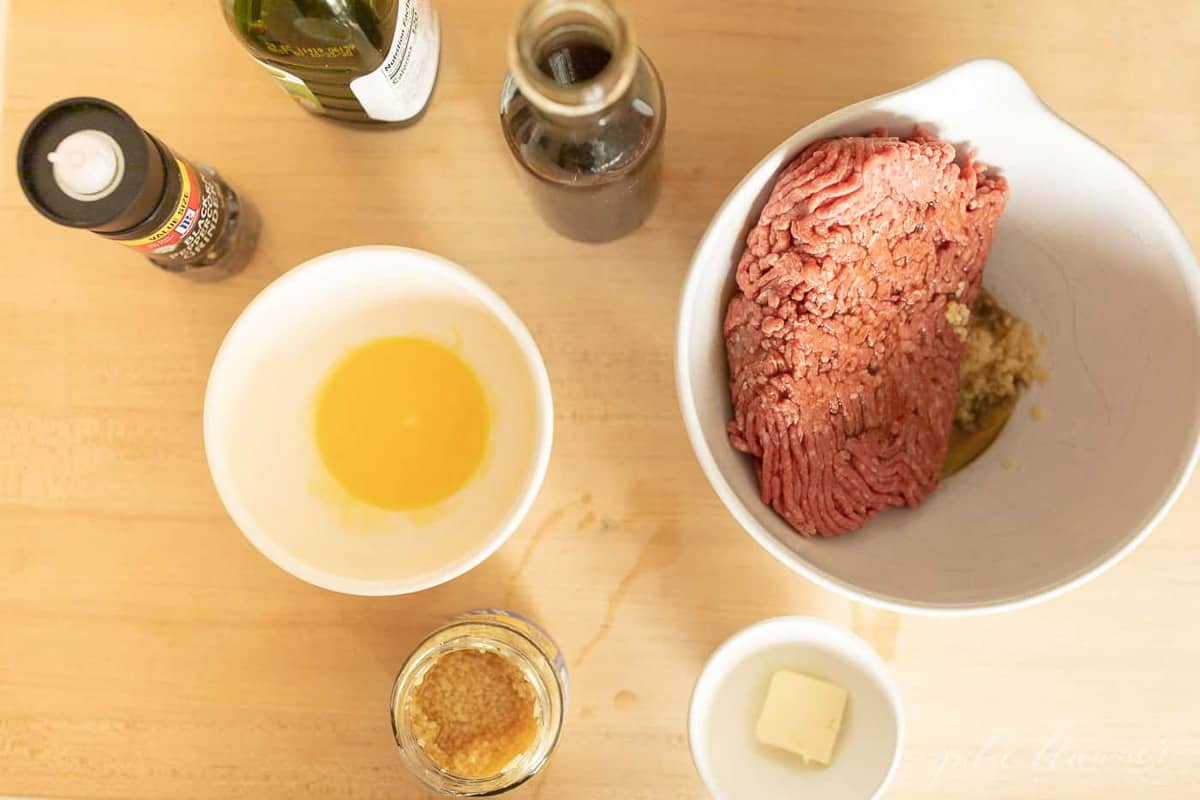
x=583, y=111
x=523, y=644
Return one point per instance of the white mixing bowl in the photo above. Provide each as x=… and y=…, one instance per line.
x=1090, y=256
x=259, y=407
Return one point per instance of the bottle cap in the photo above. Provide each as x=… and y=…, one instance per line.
x=84, y=163
x=88, y=165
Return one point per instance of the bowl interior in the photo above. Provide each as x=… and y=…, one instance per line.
x=730, y=694
x=259, y=420
x=1092, y=259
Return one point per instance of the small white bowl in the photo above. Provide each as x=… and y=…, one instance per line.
x=1090, y=256
x=258, y=420
x=727, y=699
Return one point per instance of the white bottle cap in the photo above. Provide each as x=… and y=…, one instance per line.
x=88, y=165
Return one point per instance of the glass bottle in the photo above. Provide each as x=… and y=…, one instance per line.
x=354, y=60
x=517, y=639
x=583, y=111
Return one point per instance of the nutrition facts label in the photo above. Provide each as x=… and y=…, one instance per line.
x=401, y=86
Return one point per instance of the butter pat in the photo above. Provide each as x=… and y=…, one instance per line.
x=802, y=715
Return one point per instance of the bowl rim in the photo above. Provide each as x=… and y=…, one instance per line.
x=782, y=630
x=687, y=403
x=444, y=270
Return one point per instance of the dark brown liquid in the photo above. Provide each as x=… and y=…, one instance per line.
x=592, y=180
x=966, y=446
x=574, y=63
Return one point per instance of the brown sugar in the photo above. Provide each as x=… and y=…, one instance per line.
x=959, y=316
x=999, y=359
x=473, y=713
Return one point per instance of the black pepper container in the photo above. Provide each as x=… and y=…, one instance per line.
x=84, y=163
x=583, y=111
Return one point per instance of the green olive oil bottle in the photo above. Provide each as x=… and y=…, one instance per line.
x=371, y=61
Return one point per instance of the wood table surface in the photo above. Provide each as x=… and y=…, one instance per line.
x=148, y=651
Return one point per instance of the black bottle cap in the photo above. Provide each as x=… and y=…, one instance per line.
x=141, y=182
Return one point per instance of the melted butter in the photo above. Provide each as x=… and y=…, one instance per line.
x=401, y=423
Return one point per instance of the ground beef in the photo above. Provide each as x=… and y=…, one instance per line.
x=843, y=363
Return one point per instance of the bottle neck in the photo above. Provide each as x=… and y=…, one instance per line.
x=573, y=59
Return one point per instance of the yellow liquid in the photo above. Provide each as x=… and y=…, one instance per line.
x=402, y=423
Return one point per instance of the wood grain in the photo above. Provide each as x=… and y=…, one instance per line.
x=146, y=651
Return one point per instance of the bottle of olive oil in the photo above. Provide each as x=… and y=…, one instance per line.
x=355, y=60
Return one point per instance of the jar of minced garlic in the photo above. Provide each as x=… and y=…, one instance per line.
x=479, y=705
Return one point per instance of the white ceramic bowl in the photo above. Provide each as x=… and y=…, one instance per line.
x=258, y=420
x=1091, y=257
x=729, y=695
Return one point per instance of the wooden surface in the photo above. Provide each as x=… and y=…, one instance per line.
x=147, y=651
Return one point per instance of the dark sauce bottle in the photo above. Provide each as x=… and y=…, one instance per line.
x=583, y=112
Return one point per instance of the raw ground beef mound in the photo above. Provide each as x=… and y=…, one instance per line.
x=843, y=364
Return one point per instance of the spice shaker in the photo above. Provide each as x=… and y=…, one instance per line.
x=583, y=111
x=479, y=705
x=84, y=163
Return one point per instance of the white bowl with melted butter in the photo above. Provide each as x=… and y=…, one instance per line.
x=317, y=494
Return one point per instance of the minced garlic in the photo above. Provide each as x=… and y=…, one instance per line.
x=473, y=713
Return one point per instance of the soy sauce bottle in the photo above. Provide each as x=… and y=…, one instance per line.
x=583, y=111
